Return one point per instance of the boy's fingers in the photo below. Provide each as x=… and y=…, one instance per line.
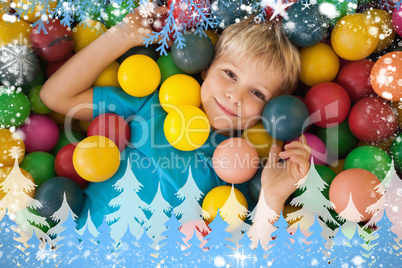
x=293, y=152
x=274, y=154
x=303, y=164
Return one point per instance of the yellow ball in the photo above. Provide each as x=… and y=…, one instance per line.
x=261, y=140
x=186, y=128
x=4, y=8
x=337, y=166
x=11, y=146
x=387, y=34
x=216, y=199
x=84, y=124
x=108, y=77
x=16, y=32
x=86, y=32
x=212, y=35
x=355, y=36
x=35, y=14
x=319, y=64
x=96, y=158
x=179, y=89
x=139, y=75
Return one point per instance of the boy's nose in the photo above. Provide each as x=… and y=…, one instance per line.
x=234, y=97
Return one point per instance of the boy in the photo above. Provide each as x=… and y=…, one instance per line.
x=253, y=63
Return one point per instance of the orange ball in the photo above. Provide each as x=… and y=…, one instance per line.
x=235, y=160
x=353, y=191
x=387, y=34
x=386, y=76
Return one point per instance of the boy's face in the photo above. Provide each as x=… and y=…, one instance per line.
x=234, y=93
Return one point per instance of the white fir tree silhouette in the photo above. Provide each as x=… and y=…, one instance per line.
x=131, y=208
x=90, y=226
x=232, y=212
x=350, y=212
x=190, y=194
x=158, y=207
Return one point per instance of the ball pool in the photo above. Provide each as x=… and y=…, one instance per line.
x=17, y=31
x=37, y=105
x=96, y=158
x=34, y=14
x=371, y=119
x=354, y=77
x=397, y=19
x=217, y=198
x=40, y=165
x=51, y=193
x=54, y=45
x=39, y=80
x=335, y=9
x=337, y=166
x=52, y=67
x=167, y=67
x=113, y=127
x=354, y=37
x=64, y=167
x=186, y=128
x=116, y=12
x=384, y=145
x=254, y=186
x=40, y=133
x=108, y=77
x=235, y=160
x=11, y=146
x=179, y=89
x=184, y=16
x=358, y=184
x=285, y=117
x=149, y=51
x=139, y=75
x=318, y=149
x=384, y=76
x=87, y=32
x=328, y=104
x=67, y=137
x=319, y=63
x=14, y=106
x=196, y=56
x=396, y=152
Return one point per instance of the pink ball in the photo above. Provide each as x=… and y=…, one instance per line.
x=235, y=160
x=39, y=133
x=201, y=230
x=397, y=19
x=318, y=149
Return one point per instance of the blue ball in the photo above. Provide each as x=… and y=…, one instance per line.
x=285, y=117
x=305, y=26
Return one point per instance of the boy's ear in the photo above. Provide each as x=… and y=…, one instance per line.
x=204, y=74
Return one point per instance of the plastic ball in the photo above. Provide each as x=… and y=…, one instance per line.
x=14, y=108
x=64, y=167
x=139, y=75
x=186, y=128
x=14, y=32
x=87, y=32
x=52, y=67
x=37, y=105
x=260, y=139
x=370, y=158
x=51, y=194
x=84, y=124
x=318, y=149
x=319, y=64
x=235, y=160
x=387, y=34
x=40, y=165
x=184, y=16
x=216, y=199
x=371, y=119
x=4, y=8
x=34, y=14
x=337, y=166
x=179, y=89
x=397, y=19
x=160, y=22
x=39, y=80
x=384, y=145
x=149, y=51
x=108, y=77
x=359, y=185
x=11, y=146
x=40, y=133
x=213, y=35
x=116, y=12
x=196, y=56
x=54, y=45
x=254, y=186
x=354, y=77
x=328, y=104
x=355, y=36
x=113, y=127
x=199, y=227
x=335, y=10
x=384, y=76
x=167, y=67
x=396, y=152
x=285, y=117
x=305, y=26
x=96, y=158
x=19, y=65
x=67, y=137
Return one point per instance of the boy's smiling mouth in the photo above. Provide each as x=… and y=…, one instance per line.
x=225, y=110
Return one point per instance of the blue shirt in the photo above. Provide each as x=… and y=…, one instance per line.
x=153, y=160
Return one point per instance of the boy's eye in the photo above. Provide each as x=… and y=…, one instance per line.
x=230, y=74
x=258, y=94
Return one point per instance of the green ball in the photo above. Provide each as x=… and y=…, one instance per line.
x=64, y=140
x=370, y=158
x=39, y=80
x=167, y=67
x=93, y=11
x=335, y=9
x=396, y=152
x=37, y=105
x=115, y=13
x=14, y=107
x=40, y=165
x=339, y=140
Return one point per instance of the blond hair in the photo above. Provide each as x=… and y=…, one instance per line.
x=266, y=43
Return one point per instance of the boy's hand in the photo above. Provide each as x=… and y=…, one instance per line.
x=279, y=179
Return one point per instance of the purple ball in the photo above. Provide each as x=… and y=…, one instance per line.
x=397, y=19
x=318, y=149
x=39, y=133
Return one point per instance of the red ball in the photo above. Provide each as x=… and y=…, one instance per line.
x=52, y=67
x=160, y=22
x=113, y=127
x=353, y=191
x=56, y=44
x=183, y=14
x=64, y=167
x=355, y=78
x=269, y=11
x=328, y=104
x=371, y=119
